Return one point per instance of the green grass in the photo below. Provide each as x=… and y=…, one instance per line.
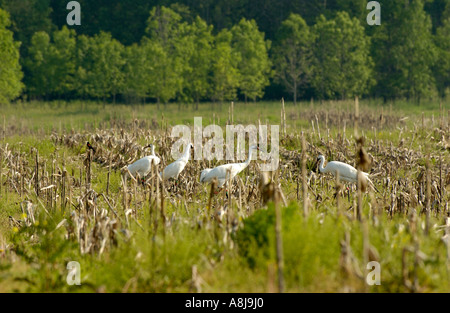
x=58, y=115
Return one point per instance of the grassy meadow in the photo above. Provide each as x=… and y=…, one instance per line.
x=60, y=203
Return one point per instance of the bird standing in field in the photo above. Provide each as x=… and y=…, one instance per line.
x=174, y=169
x=143, y=166
x=346, y=172
x=221, y=172
x=90, y=146
x=204, y=172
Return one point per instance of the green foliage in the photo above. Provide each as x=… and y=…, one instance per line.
x=10, y=69
x=312, y=250
x=198, y=52
x=305, y=263
x=342, y=65
x=293, y=54
x=136, y=71
x=179, y=50
x=39, y=82
x=256, y=238
x=254, y=66
x=51, y=63
x=166, y=31
x=47, y=255
x=404, y=52
x=64, y=43
x=153, y=264
x=442, y=67
x=28, y=17
x=226, y=75
x=105, y=71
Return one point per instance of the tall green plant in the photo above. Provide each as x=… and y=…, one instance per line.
x=292, y=54
x=342, y=63
x=254, y=65
x=10, y=69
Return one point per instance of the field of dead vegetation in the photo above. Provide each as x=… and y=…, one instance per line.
x=293, y=229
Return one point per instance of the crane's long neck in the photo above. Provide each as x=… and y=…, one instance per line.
x=321, y=168
x=187, y=153
x=246, y=163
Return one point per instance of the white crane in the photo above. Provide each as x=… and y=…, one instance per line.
x=346, y=172
x=143, y=166
x=174, y=169
x=221, y=172
x=204, y=172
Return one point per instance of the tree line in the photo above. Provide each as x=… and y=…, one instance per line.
x=184, y=58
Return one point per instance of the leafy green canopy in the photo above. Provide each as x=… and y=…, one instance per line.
x=342, y=64
x=254, y=65
x=404, y=52
x=293, y=54
x=10, y=69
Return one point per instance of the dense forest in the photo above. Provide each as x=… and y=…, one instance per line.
x=217, y=50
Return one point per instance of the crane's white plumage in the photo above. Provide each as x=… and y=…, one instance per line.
x=221, y=172
x=174, y=169
x=346, y=172
x=204, y=172
x=143, y=166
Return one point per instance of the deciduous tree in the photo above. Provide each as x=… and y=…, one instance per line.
x=10, y=70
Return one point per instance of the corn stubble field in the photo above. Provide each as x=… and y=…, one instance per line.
x=292, y=230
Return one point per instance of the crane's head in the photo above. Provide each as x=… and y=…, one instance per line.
x=319, y=158
x=148, y=146
x=254, y=147
x=204, y=173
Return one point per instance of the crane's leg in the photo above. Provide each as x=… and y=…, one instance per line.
x=346, y=189
x=219, y=190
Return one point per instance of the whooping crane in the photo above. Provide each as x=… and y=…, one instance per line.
x=346, y=172
x=143, y=166
x=174, y=169
x=221, y=172
x=204, y=172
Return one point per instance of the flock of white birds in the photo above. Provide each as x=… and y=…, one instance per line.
x=227, y=172
x=222, y=173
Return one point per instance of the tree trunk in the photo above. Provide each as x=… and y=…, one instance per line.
x=295, y=93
